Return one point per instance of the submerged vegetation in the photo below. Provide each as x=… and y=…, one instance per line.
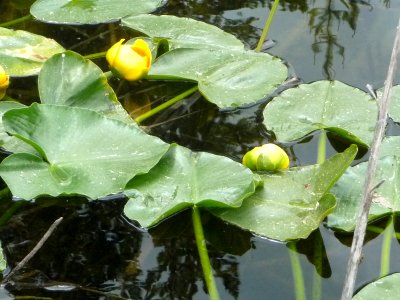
x=83, y=138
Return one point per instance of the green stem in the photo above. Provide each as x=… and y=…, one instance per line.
x=378, y=230
x=165, y=105
x=11, y=211
x=95, y=55
x=318, y=252
x=297, y=272
x=16, y=21
x=322, y=147
x=204, y=259
x=386, y=246
x=266, y=26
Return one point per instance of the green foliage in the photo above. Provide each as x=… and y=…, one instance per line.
x=81, y=152
x=60, y=85
x=331, y=105
x=23, y=53
x=3, y=263
x=292, y=204
x=384, y=288
x=184, y=178
x=385, y=197
x=175, y=31
x=227, y=78
x=90, y=11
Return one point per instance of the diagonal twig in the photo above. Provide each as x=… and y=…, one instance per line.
x=362, y=219
x=35, y=249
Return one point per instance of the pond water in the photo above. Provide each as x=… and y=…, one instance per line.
x=96, y=254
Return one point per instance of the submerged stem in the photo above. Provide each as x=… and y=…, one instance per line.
x=266, y=26
x=322, y=147
x=386, y=246
x=165, y=105
x=297, y=272
x=203, y=253
x=16, y=21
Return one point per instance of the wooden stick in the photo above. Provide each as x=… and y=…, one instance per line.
x=31, y=254
x=362, y=219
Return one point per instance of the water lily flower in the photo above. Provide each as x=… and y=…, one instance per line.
x=268, y=157
x=130, y=62
x=4, y=82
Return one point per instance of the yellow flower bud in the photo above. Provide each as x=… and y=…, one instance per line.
x=130, y=62
x=268, y=157
x=4, y=82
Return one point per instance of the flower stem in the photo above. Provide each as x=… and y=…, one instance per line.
x=321, y=147
x=297, y=272
x=204, y=259
x=16, y=21
x=165, y=105
x=386, y=245
x=95, y=55
x=266, y=26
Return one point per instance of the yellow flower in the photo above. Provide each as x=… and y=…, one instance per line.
x=268, y=157
x=4, y=82
x=130, y=62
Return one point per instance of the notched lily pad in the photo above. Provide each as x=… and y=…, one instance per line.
x=330, y=105
x=90, y=11
x=23, y=53
x=175, y=31
x=79, y=152
x=291, y=204
x=184, y=178
x=226, y=78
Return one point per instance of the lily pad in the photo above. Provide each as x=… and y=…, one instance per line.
x=183, y=179
x=226, y=78
x=7, y=142
x=90, y=11
x=69, y=79
x=386, y=197
x=23, y=53
x=384, y=288
x=175, y=31
x=291, y=204
x=81, y=152
x=330, y=105
x=394, y=110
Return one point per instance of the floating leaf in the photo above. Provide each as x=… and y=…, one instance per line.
x=386, y=197
x=81, y=152
x=90, y=11
x=69, y=79
x=384, y=288
x=394, y=110
x=226, y=78
x=7, y=142
x=331, y=105
x=23, y=53
x=184, y=178
x=291, y=204
x=175, y=30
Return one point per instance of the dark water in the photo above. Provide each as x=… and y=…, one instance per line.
x=95, y=253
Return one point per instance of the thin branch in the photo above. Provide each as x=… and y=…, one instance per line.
x=362, y=220
x=31, y=254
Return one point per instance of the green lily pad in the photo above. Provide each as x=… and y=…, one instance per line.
x=394, y=110
x=175, y=31
x=59, y=84
x=331, y=105
x=23, y=53
x=226, y=78
x=90, y=11
x=81, y=152
x=384, y=288
x=182, y=179
x=386, y=198
x=291, y=204
x=7, y=142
